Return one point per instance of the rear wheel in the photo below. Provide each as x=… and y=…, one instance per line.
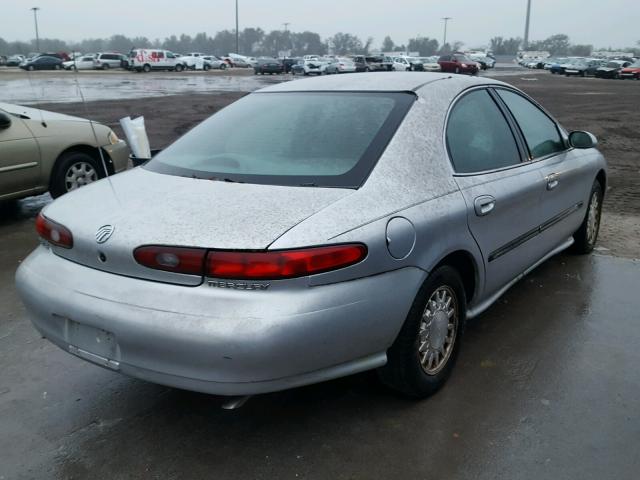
x=179, y=67
x=147, y=68
x=105, y=66
x=206, y=67
x=587, y=235
x=424, y=353
x=74, y=170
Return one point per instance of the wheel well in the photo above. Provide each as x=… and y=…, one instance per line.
x=463, y=262
x=89, y=150
x=602, y=180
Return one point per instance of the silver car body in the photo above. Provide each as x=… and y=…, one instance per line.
x=232, y=338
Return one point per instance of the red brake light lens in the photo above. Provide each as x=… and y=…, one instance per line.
x=282, y=264
x=189, y=261
x=53, y=232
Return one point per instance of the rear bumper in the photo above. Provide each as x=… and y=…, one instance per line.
x=214, y=340
x=119, y=154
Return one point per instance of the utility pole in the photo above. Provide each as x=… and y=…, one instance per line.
x=237, y=32
x=35, y=19
x=446, y=20
x=286, y=26
x=526, y=26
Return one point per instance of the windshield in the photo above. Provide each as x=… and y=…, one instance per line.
x=296, y=139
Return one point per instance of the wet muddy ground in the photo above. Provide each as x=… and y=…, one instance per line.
x=547, y=384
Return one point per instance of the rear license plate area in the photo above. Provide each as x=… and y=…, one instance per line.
x=91, y=343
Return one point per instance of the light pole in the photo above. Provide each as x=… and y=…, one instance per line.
x=35, y=19
x=526, y=26
x=286, y=26
x=446, y=20
x=237, y=31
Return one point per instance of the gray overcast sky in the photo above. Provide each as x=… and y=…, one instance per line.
x=601, y=23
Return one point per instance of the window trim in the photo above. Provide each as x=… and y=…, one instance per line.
x=521, y=153
x=559, y=129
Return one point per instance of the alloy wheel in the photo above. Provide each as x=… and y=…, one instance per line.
x=79, y=175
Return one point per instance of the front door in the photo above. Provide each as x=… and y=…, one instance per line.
x=565, y=192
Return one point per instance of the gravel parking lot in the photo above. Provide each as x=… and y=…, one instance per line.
x=547, y=384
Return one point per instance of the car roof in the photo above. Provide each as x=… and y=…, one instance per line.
x=380, y=82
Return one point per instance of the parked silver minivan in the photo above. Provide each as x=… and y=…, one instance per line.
x=105, y=61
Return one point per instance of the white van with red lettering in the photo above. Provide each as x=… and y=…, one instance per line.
x=147, y=59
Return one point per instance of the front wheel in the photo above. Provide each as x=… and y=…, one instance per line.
x=424, y=353
x=587, y=235
x=74, y=170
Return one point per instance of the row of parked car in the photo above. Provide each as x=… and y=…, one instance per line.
x=146, y=60
x=621, y=68
x=320, y=65
x=137, y=59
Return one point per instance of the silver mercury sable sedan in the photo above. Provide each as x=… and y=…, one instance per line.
x=315, y=229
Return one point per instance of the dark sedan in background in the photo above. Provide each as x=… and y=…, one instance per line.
x=583, y=68
x=611, y=69
x=42, y=63
x=268, y=65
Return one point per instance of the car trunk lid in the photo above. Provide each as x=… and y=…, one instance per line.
x=140, y=207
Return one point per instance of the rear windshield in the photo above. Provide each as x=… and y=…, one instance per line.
x=297, y=139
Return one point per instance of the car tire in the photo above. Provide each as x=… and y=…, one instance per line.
x=106, y=66
x=85, y=167
x=586, y=236
x=147, y=68
x=57, y=67
x=31, y=68
x=179, y=67
x=414, y=368
x=205, y=67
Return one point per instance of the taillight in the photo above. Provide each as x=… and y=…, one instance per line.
x=172, y=259
x=283, y=263
x=53, y=232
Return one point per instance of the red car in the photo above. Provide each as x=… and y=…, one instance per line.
x=458, y=63
x=632, y=71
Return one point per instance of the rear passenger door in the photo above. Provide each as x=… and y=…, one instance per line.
x=501, y=189
x=565, y=171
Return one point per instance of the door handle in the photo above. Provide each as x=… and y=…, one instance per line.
x=484, y=205
x=553, y=180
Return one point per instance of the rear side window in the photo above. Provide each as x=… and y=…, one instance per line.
x=478, y=136
x=540, y=132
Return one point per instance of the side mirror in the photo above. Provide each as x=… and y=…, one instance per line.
x=5, y=121
x=579, y=139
